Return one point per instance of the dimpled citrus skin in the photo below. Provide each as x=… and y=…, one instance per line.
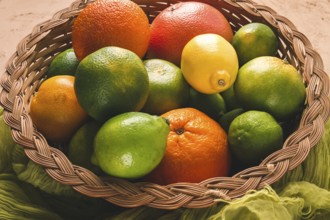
x=197, y=149
x=131, y=144
x=209, y=63
x=254, y=40
x=272, y=85
x=253, y=135
x=176, y=25
x=111, y=81
x=110, y=23
x=167, y=87
x=55, y=109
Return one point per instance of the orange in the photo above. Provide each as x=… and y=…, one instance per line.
x=196, y=149
x=110, y=23
x=177, y=24
x=55, y=109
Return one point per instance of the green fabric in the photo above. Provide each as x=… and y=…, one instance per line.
x=316, y=168
x=6, y=145
x=16, y=203
x=259, y=205
x=316, y=200
x=30, y=172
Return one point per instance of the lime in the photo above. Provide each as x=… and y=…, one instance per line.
x=209, y=63
x=254, y=135
x=272, y=85
x=254, y=40
x=230, y=99
x=227, y=118
x=211, y=104
x=110, y=81
x=65, y=63
x=131, y=144
x=81, y=145
x=167, y=87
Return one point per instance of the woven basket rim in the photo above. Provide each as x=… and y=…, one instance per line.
x=17, y=88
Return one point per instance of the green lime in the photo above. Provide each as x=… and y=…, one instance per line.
x=167, y=87
x=254, y=40
x=253, y=135
x=81, y=145
x=131, y=144
x=272, y=85
x=211, y=104
x=65, y=63
x=230, y=99
x=227, y=118
x=111, y=81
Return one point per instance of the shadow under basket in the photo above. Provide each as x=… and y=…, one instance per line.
x=26, y=69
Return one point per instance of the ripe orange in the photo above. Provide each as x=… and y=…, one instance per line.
x=196, y=150
x=110, y=23
x=177, y=24
x=55, y=109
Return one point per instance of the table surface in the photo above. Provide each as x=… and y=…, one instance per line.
x=18, y=17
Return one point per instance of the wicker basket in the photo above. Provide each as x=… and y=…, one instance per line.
x=26, y=69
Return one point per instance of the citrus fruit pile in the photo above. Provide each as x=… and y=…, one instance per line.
x=180, y=98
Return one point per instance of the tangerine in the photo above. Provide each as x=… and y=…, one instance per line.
x=110, y=23
x=177, y=24
x=196, y=150
x=55, y=109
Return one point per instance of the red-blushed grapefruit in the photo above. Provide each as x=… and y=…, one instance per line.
x=177, y=24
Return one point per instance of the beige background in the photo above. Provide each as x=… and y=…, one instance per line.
x=18, y=17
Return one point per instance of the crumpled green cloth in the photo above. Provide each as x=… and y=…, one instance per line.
x=20, y=201
x=298, y=200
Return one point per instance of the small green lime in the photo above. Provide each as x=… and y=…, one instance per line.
x=111, y=81
x=131, y=144
x=254, y=40
x=227, y=118
x=253, y=135
x=211, y=104
x=81, y=145
x=168, y=89
x=230, y=99
x=272, y=85
x=65, y=63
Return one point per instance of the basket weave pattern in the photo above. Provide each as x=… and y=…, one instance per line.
x=26, y=69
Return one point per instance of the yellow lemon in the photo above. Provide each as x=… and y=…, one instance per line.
x=209, y=63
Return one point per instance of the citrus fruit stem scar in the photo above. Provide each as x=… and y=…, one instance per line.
x=219, y=79
x=179, y=131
